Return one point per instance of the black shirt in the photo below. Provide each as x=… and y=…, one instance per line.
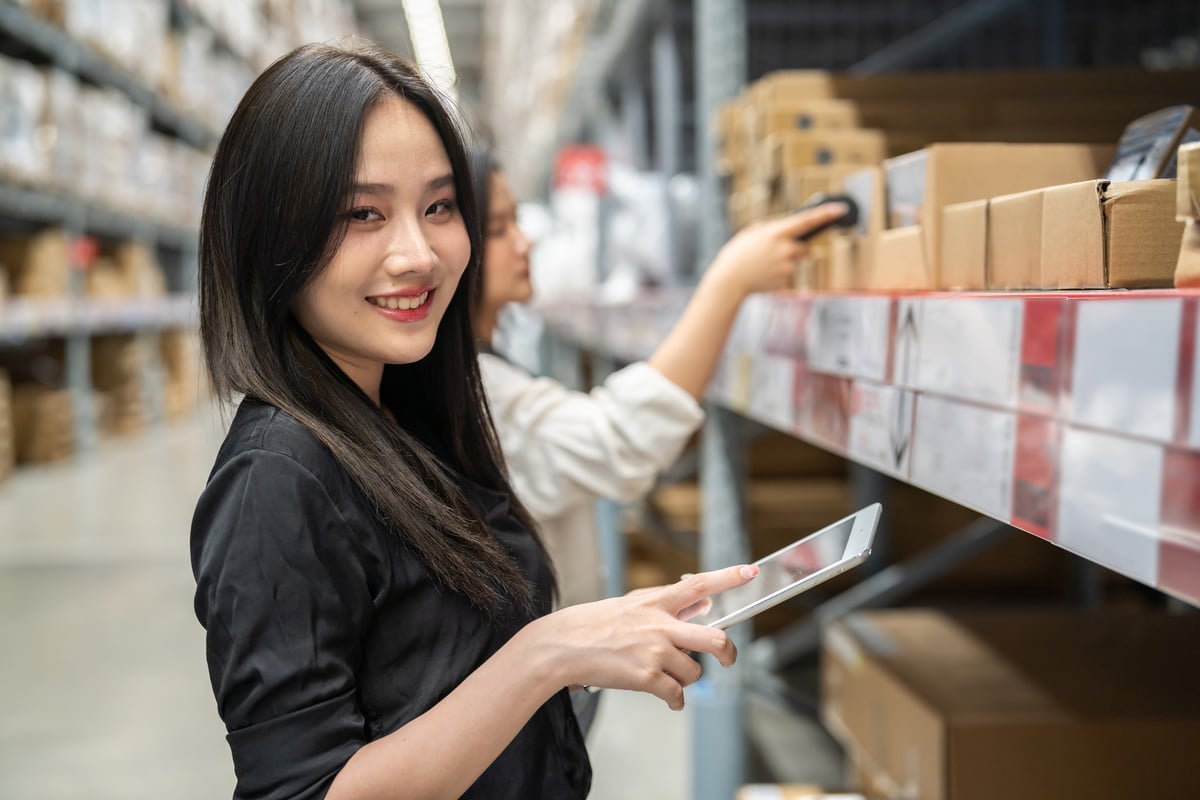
x=325, y=632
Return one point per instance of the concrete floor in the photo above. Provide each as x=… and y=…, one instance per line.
x=103, y=688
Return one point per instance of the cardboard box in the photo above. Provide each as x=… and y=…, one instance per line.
x=921, y=184
x=1187, y=197
x=1187, y=269
x=1039, y=706
x=799, y=115
x=39, y=263
x=1014, y=241
x=8, y=455
x=793, y=150
x=43, y=424
x=844, y=272
x=898, y=261
x=964, y=245
x=1110, y=234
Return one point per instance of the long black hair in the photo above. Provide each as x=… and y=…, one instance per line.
x=282, y=174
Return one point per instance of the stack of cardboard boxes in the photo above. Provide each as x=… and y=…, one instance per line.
x=1031, y=705
x=182, y=370
x=117, y=368
x=43, y=421
x=942, y=215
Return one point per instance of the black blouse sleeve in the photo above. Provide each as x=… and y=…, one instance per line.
x=282, y=589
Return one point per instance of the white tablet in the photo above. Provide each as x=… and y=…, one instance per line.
x=799, y=566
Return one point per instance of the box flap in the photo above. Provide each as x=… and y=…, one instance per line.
x=1014, y=241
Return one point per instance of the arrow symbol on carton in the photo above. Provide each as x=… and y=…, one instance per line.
x=900, y=434
x=906, y=342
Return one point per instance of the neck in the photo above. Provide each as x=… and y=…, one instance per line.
x=485, y=325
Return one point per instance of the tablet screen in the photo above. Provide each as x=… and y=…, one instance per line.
x=784, y=568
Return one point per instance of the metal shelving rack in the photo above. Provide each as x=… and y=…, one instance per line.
x=75, y=318
x=849, y=373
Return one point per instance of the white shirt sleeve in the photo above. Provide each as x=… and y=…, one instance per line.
x=565, y=447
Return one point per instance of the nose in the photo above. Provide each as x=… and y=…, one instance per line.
x=409, y=251
x=521, y=242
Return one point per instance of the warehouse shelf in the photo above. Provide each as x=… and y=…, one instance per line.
x=24, y=319
x=1072, y=416
x=20, y=26
x=47, y=207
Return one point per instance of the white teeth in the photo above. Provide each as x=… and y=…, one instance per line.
x=400, y=303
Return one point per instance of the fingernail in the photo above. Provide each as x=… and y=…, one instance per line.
x=748, y=571
x=685, y=576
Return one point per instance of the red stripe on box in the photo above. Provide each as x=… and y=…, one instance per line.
x=1041, y=353
x=1035, y=475
x=1183, y=386
x=1179, y=550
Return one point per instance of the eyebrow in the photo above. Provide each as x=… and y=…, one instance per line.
x=440, y=182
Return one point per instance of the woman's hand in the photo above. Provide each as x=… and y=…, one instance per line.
x=638, y=641
x=763, y=256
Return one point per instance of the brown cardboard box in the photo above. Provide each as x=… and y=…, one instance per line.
x=1187, y=269
x=964, y=245
x=1014, y=241
x=898, y=261
x=799, y=115
x=43, y=424
x=1187, y=197
x=1039, y=706
x=39, y=264
x=792, y=150
x=1102, y=234
x=802, y=185
x=921, y=184
x=844, y=252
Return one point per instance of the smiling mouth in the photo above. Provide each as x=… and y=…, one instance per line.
x=396, y=303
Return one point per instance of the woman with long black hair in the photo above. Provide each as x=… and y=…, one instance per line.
x=376, y=601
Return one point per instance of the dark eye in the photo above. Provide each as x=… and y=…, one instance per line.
x=442, y=208
x=365, y=215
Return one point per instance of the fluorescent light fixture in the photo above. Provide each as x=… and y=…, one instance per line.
x=427, y=30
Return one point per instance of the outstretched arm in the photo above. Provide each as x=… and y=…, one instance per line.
x=760, y=258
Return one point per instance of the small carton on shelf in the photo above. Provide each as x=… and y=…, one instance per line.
x=43, y=424
x=1014, y=241
x=39, y=264
x=1187, y=195
x=964, y=245
x=799, y=114
x=898, y=261
x=1187, y=268
x=1109, y=234
x=793, y=150
x=921, y=184
x=1038, y=705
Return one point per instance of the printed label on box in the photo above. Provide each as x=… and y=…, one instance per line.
x=1126, y=359
x=881, y=428
x=971, y=349
x=772, y=396
x=964, y=453
x=1109, y=494
x=849, y=336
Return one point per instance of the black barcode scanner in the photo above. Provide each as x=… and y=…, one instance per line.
x=847, y=220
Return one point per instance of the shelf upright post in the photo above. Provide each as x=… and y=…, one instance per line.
x=78, y=342
x=718, y=699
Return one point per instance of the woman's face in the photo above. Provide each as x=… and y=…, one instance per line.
x=385, y=291
x=506, y=251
